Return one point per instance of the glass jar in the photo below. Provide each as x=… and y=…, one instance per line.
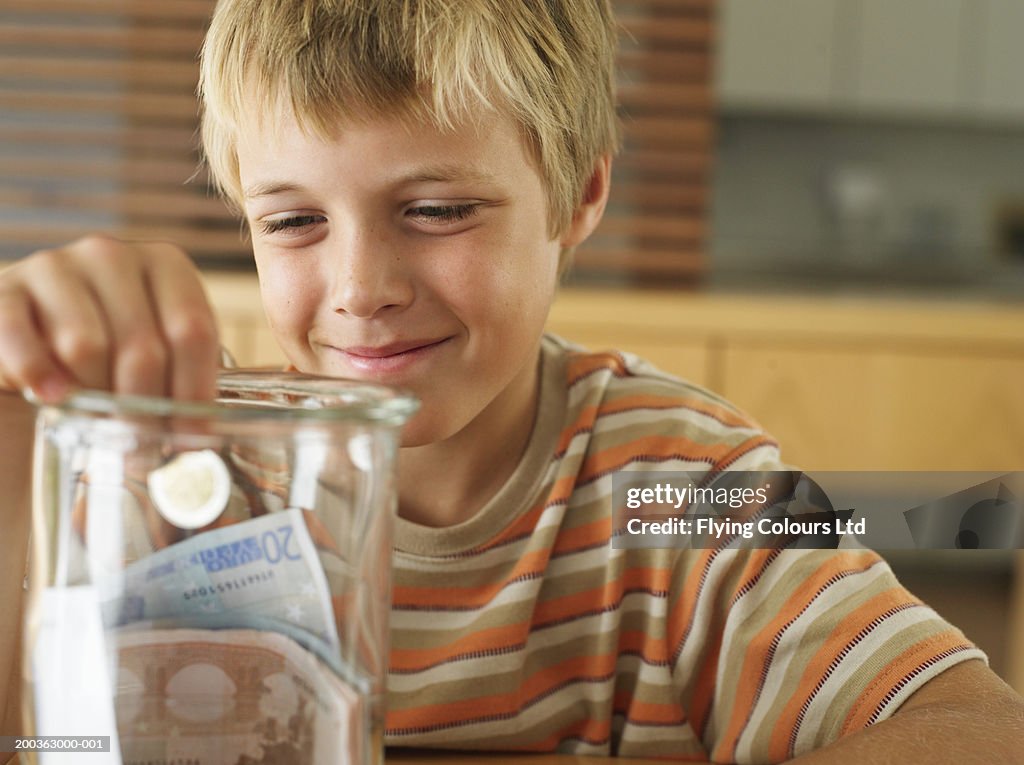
x=210, y=582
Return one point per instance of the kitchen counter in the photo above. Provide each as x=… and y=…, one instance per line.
x=923, y=279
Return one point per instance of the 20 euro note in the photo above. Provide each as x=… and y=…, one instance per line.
x=263, y=573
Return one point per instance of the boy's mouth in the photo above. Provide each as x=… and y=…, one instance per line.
x=391, y=349
x=391, y=358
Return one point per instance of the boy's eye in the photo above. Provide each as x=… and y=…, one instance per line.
x=443, y=213
x=290, y=223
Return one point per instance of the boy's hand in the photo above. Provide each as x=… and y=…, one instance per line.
x=101, y=313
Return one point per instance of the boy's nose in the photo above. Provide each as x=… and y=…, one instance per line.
x=370, y=276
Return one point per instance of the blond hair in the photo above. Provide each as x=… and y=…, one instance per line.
x=548, y=64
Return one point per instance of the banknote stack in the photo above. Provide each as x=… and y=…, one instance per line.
x=237, y=640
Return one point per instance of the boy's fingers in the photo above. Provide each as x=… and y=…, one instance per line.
x=65, y=310
x=139, y=355
x=24, y=359
x=186, y=322
x=106, y=314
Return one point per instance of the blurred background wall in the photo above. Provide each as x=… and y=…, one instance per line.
x=828, y=193
x=871, y=140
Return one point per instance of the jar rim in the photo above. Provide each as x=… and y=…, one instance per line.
x=253, y=394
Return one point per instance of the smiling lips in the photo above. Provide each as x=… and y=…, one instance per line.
x=390, y=358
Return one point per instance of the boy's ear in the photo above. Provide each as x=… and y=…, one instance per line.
x=591, y=208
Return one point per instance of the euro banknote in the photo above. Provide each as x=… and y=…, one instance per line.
x=236, y=696
x=262, y=573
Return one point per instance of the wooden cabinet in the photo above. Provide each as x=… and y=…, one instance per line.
x=780, y=52
x=1000, y=87
x=857, y=408
x=937, y=58
x=913, y=55
x=243, y=326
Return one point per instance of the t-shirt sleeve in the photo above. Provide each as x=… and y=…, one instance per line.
x=801, y=647
x=781, y=652
x=775, y=653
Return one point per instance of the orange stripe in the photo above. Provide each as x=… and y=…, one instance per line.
x=704, y=685
x=755, y=659
x=699, y=405
x=589, y=415
x=681, y=616
x=903, y=665
x=661, y=448
x=481, y=641
x=681, y=612
x=601, y=598
x=539, y=684
x=589, y=534
x=648, y=712
x=646, y=577
x=583, y=421
x=651, y=649
x=588, y=728
x=580, y=364
x=526, y=524
x=819, y=664
x=531, y=563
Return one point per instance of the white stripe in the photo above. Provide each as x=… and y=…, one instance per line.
x=595, y=491
x=863, y=653
x=746, y=608
x=511, y=553
x=708, y=426
x=791, y=642
x=586, y=392
x=764, y=457
x=706, y=605
x=488, y=666
x=924, y=676
x=601, y=560
x=649, y=734
x=420, y=620
x=577, y=444
x=652, y=675
x=536, y=715
x=649, y=463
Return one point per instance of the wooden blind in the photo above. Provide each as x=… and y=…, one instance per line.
x=98, y=126
x=98, y=132
x=655, y=224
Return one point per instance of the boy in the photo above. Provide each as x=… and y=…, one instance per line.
x=415, y=176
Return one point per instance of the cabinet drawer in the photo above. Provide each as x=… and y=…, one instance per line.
x=862, y=409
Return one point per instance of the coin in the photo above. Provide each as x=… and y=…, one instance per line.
x=192, y=489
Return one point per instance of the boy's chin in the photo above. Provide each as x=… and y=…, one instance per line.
x=419, y=431
x=427, y=427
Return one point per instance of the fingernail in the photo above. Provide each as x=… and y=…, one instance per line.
x=52, y=389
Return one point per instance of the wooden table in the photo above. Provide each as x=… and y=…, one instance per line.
x=431, y=757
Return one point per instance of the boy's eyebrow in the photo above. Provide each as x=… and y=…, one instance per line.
x=269, y=189
x=431, y=174
x=448, y=172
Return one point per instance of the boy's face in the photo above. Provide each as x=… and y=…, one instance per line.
x=405, y=256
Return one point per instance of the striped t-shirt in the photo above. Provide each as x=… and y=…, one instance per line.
x=524, y=629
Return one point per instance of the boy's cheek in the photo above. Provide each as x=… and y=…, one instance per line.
x=290, y=303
